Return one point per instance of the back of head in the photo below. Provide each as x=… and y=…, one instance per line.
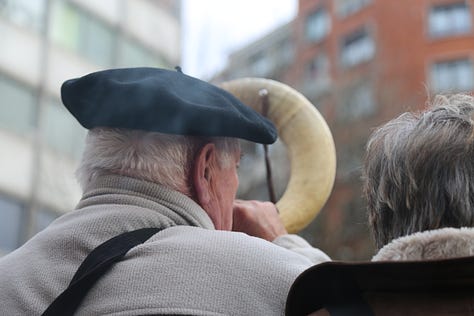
x=419, y=170
x=149, y=123
x=150, y=156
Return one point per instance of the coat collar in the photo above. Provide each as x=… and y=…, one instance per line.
x=433, y=244
x=174, y=206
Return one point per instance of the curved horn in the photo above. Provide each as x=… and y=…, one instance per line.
x=309, y=144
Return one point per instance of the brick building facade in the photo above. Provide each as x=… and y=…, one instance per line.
x=362, y=62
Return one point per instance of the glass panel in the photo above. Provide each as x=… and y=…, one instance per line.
x=465, y=75
x=11, y=218
x=318, y=25
x=357, y=48
x=29, y=13
x=82, y=33
x=65, y=25
x=133, y=54
x=461, y=19
x=358, y=103
x=362, y=101
x=286, y=51
x=61, y=130
x=450, y=19
x=453, y=76
x=16, y=106
x=318, y=67
x=96, y=40
x=260, y=64
x=346, y=7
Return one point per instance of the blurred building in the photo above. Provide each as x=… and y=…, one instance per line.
x=45, y=42
x=269, y=57
x=361, y=62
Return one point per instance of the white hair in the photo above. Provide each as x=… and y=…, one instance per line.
x=155, y=157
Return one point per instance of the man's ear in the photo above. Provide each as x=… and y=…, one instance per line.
x=202, y=173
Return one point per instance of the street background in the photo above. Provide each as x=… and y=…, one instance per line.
x=359, y=62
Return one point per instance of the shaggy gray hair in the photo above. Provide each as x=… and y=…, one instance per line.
x=155, y=157
x=419, y=170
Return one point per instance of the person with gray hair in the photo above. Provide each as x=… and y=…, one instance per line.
x=419, y=182
x=158, y=229
x=419, y=186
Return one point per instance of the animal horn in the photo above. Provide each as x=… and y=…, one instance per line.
x=308, y=141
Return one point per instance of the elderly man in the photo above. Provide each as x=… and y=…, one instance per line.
x=152, y=232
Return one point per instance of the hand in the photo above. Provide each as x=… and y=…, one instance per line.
x=258, y=219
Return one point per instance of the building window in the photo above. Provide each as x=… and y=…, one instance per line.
x=317, y=79
x=348, y=7
x=453, y=76
x=318, y=67
x=132, y=54
x=261, y=64
x=81, y=32
x=286, y=51
x=17, y=106
x=357, y=47
x=61, y=131
x=450, y=19
x=357, y=102
x=28, y=13
x=317, y=25
x=11, y=225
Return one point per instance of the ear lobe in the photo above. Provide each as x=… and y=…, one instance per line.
x=202, y=174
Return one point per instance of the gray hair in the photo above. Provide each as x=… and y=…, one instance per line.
x=419, y=170
x=155, y=157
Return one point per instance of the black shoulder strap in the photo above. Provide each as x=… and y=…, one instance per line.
x=97, y=263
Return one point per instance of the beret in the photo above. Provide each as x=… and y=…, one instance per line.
x=161, y=100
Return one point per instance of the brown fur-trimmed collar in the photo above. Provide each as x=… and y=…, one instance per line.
x=433, y=244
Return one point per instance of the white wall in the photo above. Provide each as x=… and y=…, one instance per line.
x=153, y=26
x=58, y=189
x=20, y=56
x=15, y=165
x=109, y=10
x=64, y=65
x=19, y=53
x=142, y=20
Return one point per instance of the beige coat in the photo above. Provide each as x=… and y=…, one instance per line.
x=428, y=245
x=187, y=268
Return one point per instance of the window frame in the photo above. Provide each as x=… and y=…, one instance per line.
x=351, y=109
x=320, y=36
x=345, y=10
x=26, y=92
x=439, y=34
x=346, y=63
x=432, y=77
x=80, y=37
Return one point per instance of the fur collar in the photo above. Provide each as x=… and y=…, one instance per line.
x=441, y=243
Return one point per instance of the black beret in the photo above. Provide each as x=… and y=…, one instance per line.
x=165, y=101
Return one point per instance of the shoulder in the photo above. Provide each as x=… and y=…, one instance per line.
x=195, y=268
x=223, y=246
x=431, y=244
